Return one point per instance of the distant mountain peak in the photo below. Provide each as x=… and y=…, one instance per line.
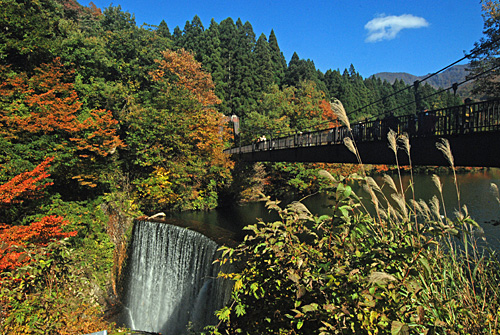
x=445, y=79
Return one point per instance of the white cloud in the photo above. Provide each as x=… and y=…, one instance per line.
x=387, y=27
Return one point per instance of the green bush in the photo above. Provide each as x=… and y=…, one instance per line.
x=401, y=267
x=408, y=272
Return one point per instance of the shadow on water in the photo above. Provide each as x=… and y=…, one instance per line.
x=474, y=188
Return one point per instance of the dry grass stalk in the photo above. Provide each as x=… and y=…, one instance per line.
x=494, y=191
x=444, y=147
x=418, y=209
x=339, y=110
x=380, y=278
x=326, y=174
x=402, y=204
x=350, y=145
x=459, y=215
x=435, y=179
x=391, y=138
x=426, y=211
x=389, y=181
x=373, y=184
x=405, y=141
x=435, y=209
x=301, y=210
x=374, y=199
x=394, y=215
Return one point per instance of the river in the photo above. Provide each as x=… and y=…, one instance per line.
x=475, y=193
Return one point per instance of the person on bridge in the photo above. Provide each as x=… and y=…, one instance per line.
x=329, y=137
x=466, y=118
x=263, y=141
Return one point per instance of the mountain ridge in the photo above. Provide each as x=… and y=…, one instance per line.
x=445, y=79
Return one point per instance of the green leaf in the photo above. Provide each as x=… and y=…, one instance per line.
x=347, y=192
x=310, y=308
x=426, y=265
x=399, y=328
x=240, y=310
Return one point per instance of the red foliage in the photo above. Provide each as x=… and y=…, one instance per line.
x=40, y=233
x=25, y=185
x=381, y=168
x=46, y=103
x=328, y=114
x=13, y=239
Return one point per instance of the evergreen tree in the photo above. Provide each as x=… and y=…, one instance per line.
x=278, y=60
x=300, y=70
x=228, y=41
x=163, y=30
x=177, y=35
x=333, y=82
x=192, y=37
x=264, y=66
x=244, y=93
x=211, y=56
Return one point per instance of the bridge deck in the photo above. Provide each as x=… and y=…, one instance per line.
x=473, y=131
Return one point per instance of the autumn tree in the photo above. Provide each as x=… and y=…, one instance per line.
x=19, y=189
x=41, y=115
x=178, y=140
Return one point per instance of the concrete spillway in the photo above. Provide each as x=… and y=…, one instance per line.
x=171, y=281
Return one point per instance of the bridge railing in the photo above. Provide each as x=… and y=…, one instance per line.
x=463, y=119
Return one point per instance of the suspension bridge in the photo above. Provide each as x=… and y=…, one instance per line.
x=473, y=131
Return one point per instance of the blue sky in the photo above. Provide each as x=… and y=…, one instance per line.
x=414, y=36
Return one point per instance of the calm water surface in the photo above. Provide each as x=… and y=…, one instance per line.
x=475, y=193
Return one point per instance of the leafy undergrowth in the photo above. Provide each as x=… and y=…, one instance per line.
x=401, y=267
x=357, y=273
x=55, y=262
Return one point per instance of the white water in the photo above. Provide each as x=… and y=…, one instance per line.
x=171, y=280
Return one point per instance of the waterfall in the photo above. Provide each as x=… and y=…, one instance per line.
x=171, y=281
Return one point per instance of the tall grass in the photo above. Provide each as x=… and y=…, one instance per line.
x=410, y=268
x=460, y=284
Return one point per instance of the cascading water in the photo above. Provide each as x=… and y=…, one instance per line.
x=171, y=281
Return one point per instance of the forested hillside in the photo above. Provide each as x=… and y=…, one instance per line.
x=96, y=112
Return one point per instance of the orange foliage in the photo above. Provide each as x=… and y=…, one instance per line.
x=25, y=184
x=381, y=168
x=47, y=104
x=48, y=228
x=206, y=124
x=40, y=233
x=189, y=74
x=328, y=114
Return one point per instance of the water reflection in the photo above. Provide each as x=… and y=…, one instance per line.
x=474, y=189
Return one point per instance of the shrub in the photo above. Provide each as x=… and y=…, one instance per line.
x=402, y=267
